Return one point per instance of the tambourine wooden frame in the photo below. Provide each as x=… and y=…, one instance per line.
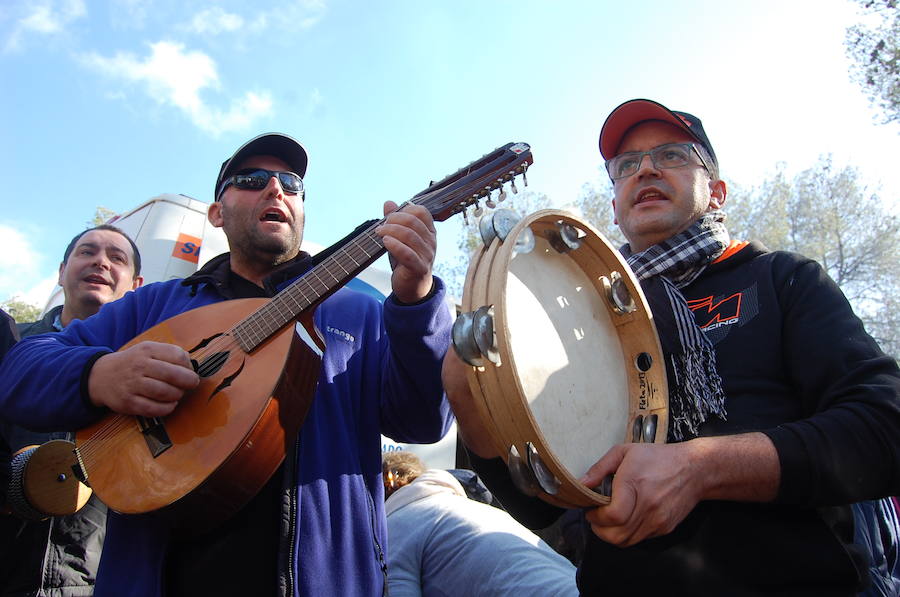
x=498, y=391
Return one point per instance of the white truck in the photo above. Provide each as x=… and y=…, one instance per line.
x=175, y=239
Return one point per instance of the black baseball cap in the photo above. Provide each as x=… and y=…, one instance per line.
x=635, y=111
x=279, y=145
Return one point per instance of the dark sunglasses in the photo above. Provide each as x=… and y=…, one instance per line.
x=256, y=179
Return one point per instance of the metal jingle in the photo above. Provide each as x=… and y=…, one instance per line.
x=486, y=229
x=546, y=479
x=463, y=337
x=637, y=429
x=565, y=238
x=483, y=333
x=521, y=475
x=503, y=221
x=650, y=428
x=617, y=293
x=524, y=241
x=605, y=487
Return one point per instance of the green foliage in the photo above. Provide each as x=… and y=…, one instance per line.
x=595, y=206
x=875, y=51
x=828, y=214
x=21, y=311
x=101, y=216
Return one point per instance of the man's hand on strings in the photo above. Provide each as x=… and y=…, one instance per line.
x=411, y=241
x=147, y=379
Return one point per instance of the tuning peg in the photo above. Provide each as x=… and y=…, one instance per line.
x=512, y=186
x=478, y=211
x=502, y=195
x=524, y=170
x=465, y=212
x=486, y=194
x=489, y=202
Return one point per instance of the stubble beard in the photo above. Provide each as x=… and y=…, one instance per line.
x=266, y=250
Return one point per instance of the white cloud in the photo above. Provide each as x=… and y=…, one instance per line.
x=39, y=293
x=46, y=17
x=176, y=77
x=304, y=13
x=19, y=262
x=214, y=21
x=293, y=15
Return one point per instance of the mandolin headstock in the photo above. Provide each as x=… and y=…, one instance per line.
x=479, y=180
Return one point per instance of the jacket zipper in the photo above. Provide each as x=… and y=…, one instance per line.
x=379, y=552
x=292, y=521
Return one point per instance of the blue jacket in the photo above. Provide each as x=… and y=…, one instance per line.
x=380, y=374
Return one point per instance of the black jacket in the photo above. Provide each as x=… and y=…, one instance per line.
x=798, y=366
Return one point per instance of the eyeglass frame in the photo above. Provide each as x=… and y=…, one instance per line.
x=640, y=156
x=272, y=173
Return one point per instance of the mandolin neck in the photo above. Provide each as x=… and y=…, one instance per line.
x=311, y=289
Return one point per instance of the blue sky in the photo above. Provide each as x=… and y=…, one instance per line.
x=113, y=102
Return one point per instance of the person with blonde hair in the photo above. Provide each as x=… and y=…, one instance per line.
x=442, y=543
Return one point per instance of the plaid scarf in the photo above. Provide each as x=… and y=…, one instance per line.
x=662, y=269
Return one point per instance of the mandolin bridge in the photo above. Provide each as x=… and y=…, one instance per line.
x=154, y=432
x=78, y=468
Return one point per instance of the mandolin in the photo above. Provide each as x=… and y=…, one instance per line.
x=258, y=361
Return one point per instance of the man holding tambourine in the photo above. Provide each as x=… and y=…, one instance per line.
x=780, y=415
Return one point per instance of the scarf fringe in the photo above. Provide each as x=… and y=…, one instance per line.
x=697, y=393
x=675, y=263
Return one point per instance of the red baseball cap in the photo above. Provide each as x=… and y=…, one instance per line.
x=635, y=111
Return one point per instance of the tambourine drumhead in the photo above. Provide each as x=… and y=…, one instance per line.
x=577, y=373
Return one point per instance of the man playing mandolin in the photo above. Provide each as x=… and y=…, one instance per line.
x=317, y=526
x=779, y=417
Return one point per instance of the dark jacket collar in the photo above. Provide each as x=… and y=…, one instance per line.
x=217, y=273
x=42, y=325
x=751, y=251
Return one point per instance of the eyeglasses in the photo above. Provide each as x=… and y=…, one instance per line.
x=255, y=179
x=670, y=155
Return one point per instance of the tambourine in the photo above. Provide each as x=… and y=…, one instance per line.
x=565, y=359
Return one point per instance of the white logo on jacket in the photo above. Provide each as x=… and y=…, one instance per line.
x=340, y=333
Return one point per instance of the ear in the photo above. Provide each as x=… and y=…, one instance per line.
x=214, y=214
x=137, y=282
x=615, y=219
x=59, y=277
x=717, y=193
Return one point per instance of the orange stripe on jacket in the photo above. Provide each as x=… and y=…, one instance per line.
x=733, y=247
